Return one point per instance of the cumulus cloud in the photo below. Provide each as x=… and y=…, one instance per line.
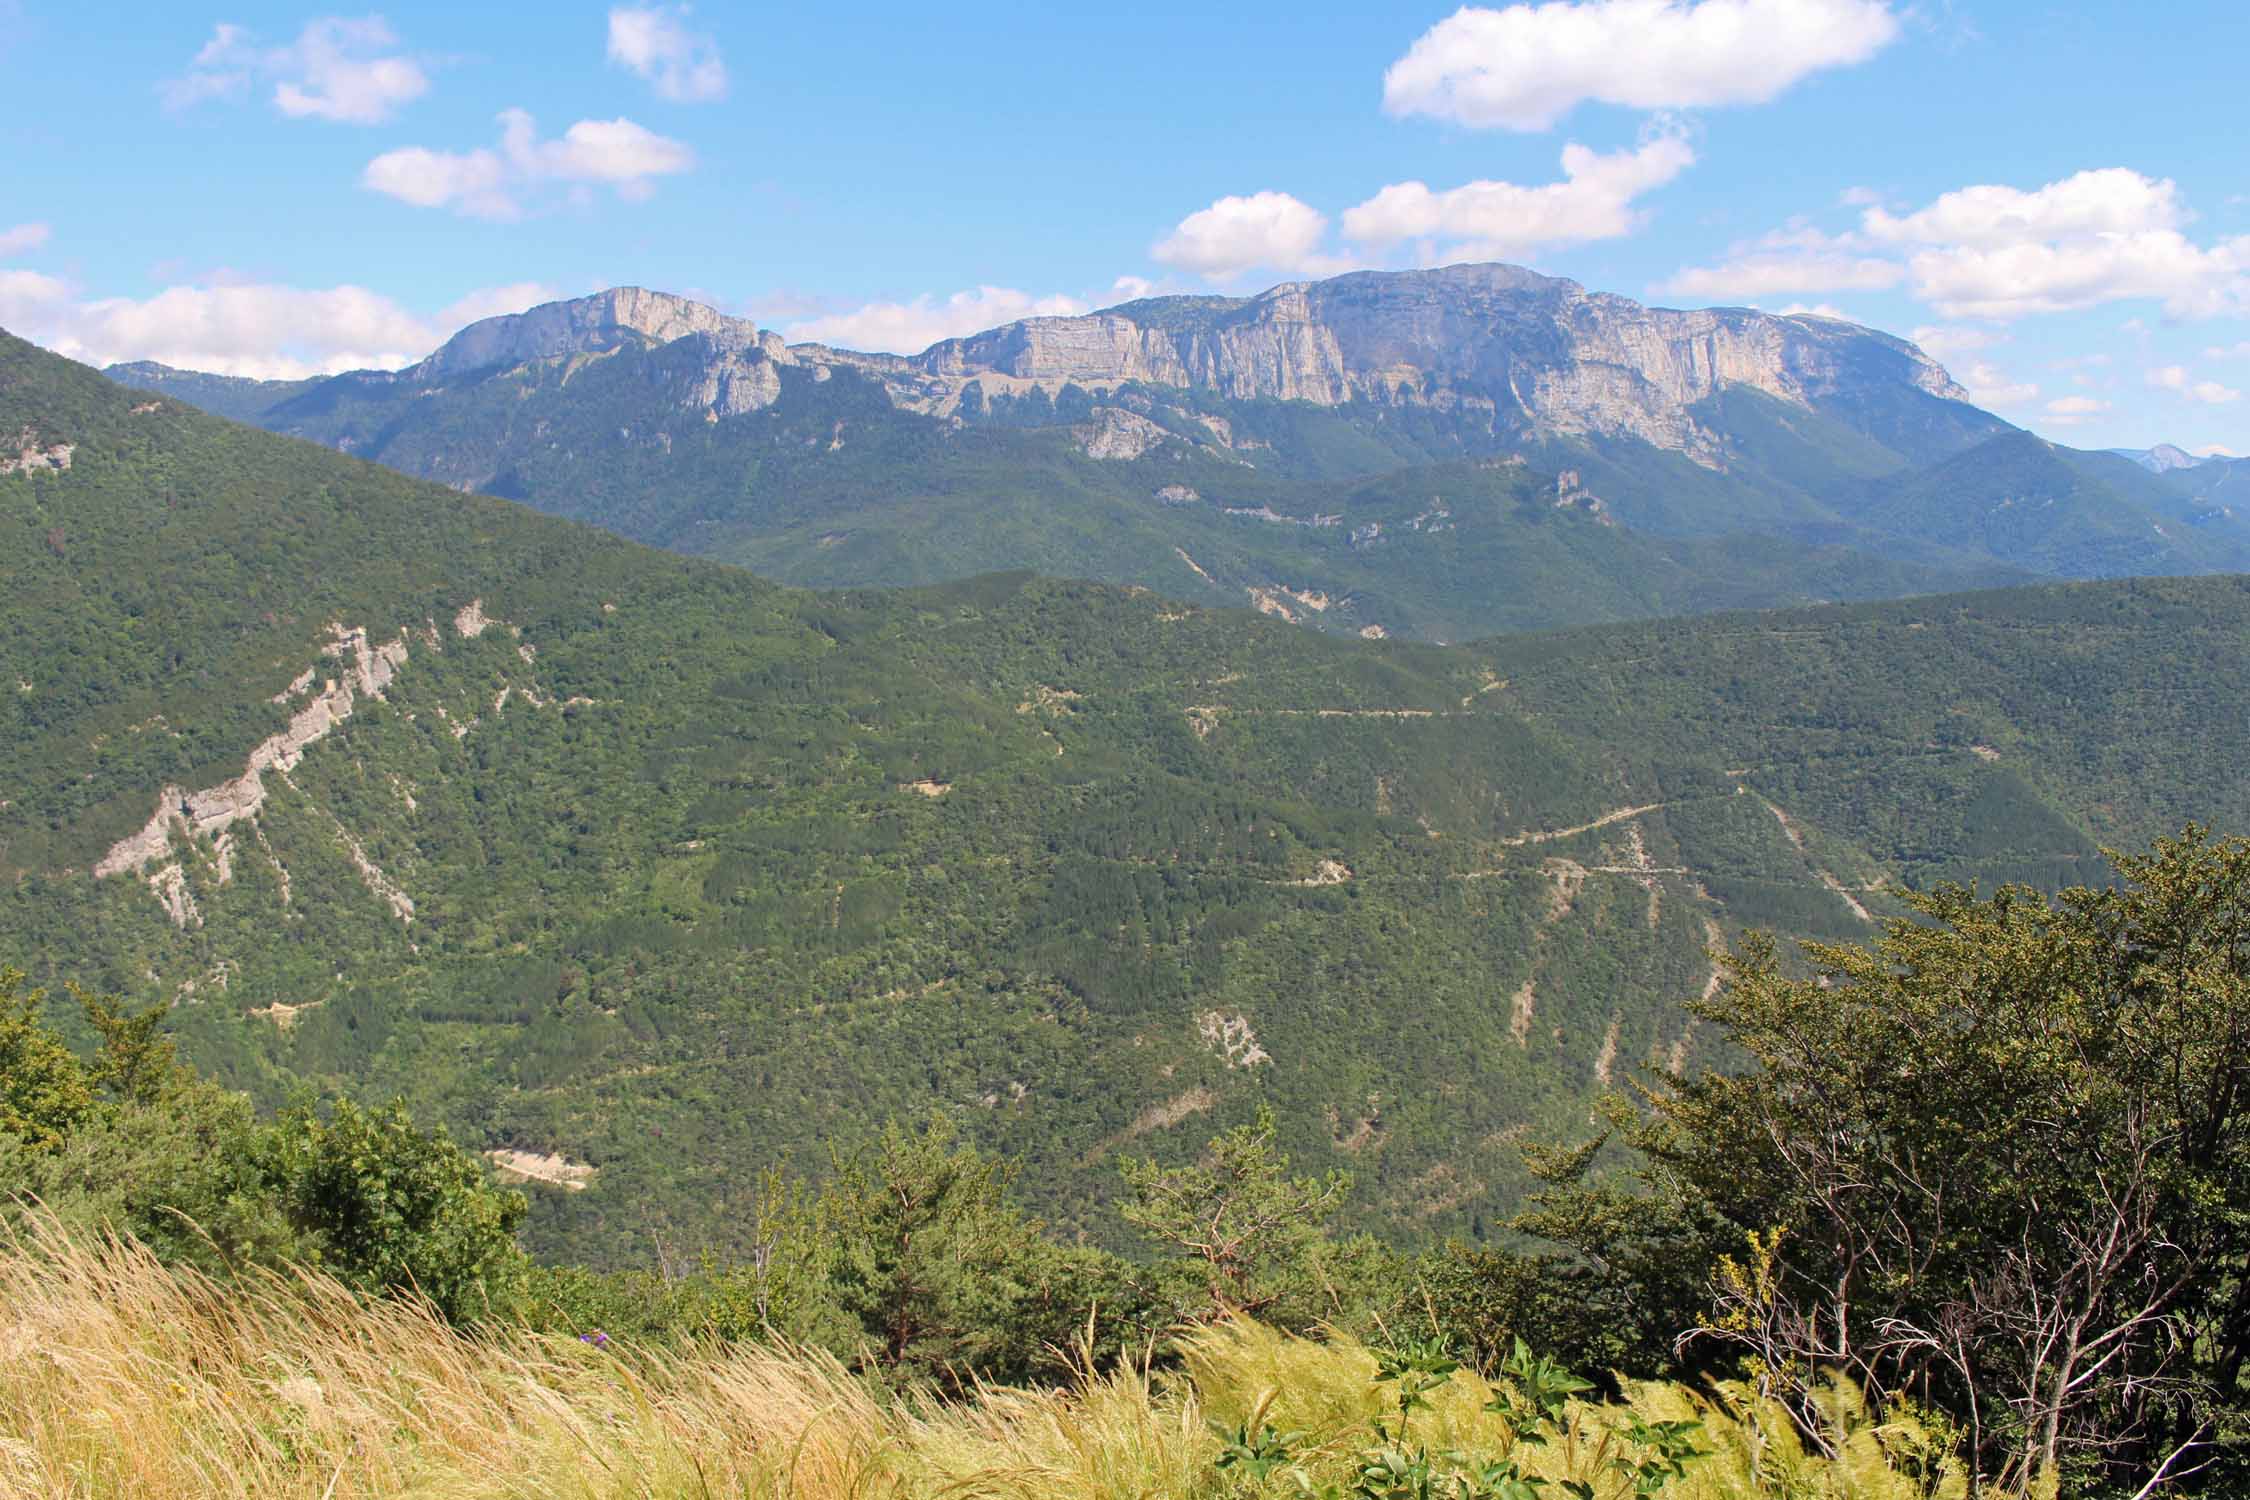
x=2099, y=236
x=654, y=42
x=1816, y=310
x=25, y=296
x=1263, y=231
x=1503, y=220
x=2179, y=382
x=267, y=332
x=23, y=237
x=1994, y=253
x=1525, y=67
x=911, y=327
x=2112, y=200
x=339, y=68
x=488, y=182
x=1989, y=387
x=1797, y=259
x=2069, y=411
x=2214, y=450
x=2216, y=351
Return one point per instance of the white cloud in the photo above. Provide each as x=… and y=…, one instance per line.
x=2214, y=450
x=1941, y=342
x=1525, y=67
x=2112, y=200
x=911, y=327
x=1989, y=387
x=23, y=237
x=655, y=43
x=339, y=68
x=1270, y=231
x=2069, y=411
x=1860, y=197
x=2179, y=382
x=475, y=182
x=1816, y=310
x=25, y=296
x=491, y=302
x=267, y=332
x=1794, y=260
x=2098, y=236
x=487, y=182
x=2216, y=351
x=1503, y=220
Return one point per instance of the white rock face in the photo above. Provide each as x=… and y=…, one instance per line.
x=1116, y=433
x=368, y=669
x=742, y=376
x=31, y=454
x=601, y=321
x=1495, y=339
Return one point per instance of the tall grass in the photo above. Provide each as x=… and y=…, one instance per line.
x=120, y=1377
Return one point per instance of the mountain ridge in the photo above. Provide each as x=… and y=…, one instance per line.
x=1326, y=342
x=1337, y=438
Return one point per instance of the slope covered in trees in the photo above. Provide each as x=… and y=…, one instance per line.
x=647, y=872
x=1962, y=1216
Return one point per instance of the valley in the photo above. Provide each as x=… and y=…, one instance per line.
x=639, y=869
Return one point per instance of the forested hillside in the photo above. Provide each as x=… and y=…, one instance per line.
x=652, y=873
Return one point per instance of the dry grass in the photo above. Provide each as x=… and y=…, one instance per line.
x=121, y=1378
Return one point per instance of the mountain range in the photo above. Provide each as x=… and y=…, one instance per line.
x=1438, y=454
x=642, y=871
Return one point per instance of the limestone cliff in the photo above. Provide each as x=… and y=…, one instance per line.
x=1508, y=351
x=1536, y=353
x=583, y=325
x=1508, y=348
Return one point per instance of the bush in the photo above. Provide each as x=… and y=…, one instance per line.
x=390, y=1208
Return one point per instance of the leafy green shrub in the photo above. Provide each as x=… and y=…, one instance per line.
x=390, y=1207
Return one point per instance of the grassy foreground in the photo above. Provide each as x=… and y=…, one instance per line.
x=120, y=1377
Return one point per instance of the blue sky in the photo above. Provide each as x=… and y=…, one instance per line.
x=2054, y=199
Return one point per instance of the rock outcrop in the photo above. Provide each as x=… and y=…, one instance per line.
x=1116, y=433
x=30, y=452
x=369, y=668
x=581, y=326
x=740, y=375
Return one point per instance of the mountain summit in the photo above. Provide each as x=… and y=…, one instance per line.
x=584, y=325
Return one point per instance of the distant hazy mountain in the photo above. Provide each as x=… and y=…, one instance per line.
x=2161, y=459
x=230, y=396
x=1437, y=453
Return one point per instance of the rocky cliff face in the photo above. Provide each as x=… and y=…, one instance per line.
x=1536, y=352
x=584, y=325
x=1522, y=353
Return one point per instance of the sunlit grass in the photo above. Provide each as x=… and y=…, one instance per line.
x=119, y=1377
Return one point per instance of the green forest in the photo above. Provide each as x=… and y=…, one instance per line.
x=583, y=939
x=1875, y=1230
x=701, y=875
